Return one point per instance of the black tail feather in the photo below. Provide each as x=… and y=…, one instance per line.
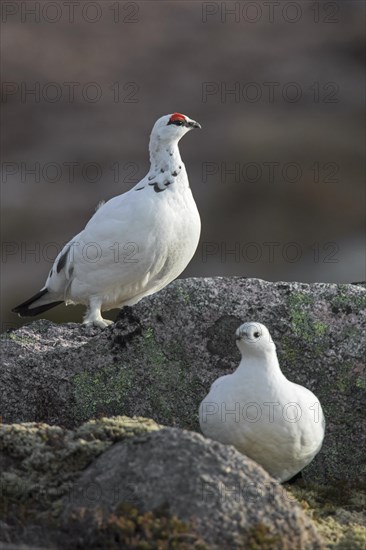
x=295, y=478
x=25, y=311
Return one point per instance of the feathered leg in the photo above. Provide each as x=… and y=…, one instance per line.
x=93, y=314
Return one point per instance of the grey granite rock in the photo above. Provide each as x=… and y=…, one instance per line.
x=229, y=499
x=159, y=359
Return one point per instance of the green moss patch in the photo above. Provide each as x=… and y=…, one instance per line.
x=161, y=381
x=101, y=393
x=303, y=324
x=343, y=302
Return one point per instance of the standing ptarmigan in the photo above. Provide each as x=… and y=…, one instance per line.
x=136, y=243
x=273, y=421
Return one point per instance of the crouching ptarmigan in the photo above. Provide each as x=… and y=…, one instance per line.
x=136, y=243
x=273, y=421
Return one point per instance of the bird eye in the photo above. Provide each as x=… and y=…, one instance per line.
x=256, y=335
x=176, y=122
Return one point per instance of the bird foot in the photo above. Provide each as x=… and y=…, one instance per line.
x=101, y=323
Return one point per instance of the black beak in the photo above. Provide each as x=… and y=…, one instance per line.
x=193, y=124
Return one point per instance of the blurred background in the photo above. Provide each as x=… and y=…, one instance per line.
x=277, y=170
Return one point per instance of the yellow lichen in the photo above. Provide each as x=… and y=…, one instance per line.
x=338, y=510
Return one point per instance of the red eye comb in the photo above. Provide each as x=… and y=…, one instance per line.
x=177, y=116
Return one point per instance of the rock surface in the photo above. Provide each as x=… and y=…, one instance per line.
x=159, y=359
x=226, y=496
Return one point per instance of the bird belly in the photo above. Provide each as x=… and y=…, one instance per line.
x=266, y=435
x=136, y=261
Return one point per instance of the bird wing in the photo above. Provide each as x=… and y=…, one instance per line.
x=118, y=244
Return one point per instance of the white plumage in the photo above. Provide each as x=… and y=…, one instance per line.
x=136, y=243
x=273, y=421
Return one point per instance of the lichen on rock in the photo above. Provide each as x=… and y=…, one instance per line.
x=39, y=463
x=338, y=511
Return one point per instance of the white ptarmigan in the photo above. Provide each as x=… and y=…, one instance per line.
x=136, y=243
x=273, y=421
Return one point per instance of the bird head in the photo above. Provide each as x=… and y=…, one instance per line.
x=173, y=127
x=254, y=339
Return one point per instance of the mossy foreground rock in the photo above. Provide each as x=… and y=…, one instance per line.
x=159, y=359
x=39, y=465
x=129, y=483
x=226, y=498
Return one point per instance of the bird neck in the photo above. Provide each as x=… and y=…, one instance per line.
x=164, y=155
x=264, y=365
